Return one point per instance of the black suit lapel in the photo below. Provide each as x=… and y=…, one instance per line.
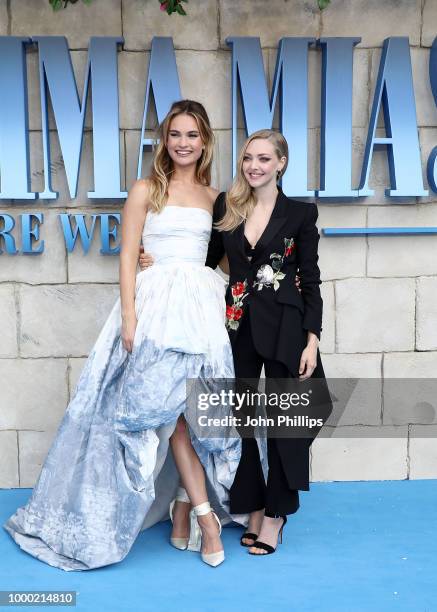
x=236, y=238
x=239, y=235
x=276, y=221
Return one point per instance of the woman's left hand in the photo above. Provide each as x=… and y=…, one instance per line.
x=308, y=361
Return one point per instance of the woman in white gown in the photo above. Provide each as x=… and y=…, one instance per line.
x=110, y=472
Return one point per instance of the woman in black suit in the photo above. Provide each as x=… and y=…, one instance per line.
x=267, y=238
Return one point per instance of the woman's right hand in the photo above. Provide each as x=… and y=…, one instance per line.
x=145, y=259
x=297, y=282
x=128, y=327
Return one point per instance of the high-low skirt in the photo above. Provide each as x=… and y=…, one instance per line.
x=110, y=472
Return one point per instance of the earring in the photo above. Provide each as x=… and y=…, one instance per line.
x=278, y=175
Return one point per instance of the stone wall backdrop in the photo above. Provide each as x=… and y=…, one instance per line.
x=379, y=293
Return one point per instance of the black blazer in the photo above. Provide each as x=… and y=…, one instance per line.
x=280, y=315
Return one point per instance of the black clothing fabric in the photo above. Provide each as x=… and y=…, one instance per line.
x=249, y=491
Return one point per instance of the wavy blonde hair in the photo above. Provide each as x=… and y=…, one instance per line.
x=240, y=200
x=162, y=167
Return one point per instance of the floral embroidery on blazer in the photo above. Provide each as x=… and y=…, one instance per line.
x=235, y=312
x=268, y=275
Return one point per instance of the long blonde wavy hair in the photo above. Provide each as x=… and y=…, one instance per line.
x=240, y=200
x=162, y=167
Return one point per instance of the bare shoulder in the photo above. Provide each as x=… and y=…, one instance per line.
x=212, y=194
x=138, y=196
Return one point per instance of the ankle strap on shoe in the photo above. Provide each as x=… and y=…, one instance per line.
x=202, y=509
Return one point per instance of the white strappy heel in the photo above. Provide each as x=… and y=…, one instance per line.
x=195, y=540
x=181, y=495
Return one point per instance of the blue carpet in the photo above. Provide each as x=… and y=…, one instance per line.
x=351, y=546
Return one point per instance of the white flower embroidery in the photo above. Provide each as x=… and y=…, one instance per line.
x=271, y=275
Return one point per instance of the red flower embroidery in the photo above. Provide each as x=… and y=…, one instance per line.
x=238, y=289
x=289, y=249
x=235, y=312
x=238, y=313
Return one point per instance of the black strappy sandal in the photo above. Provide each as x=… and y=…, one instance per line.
x=269, y=549
x=251, y=536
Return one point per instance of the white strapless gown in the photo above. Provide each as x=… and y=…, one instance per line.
x=110, y=472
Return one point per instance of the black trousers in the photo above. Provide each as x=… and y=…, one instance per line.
x=249, y=491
